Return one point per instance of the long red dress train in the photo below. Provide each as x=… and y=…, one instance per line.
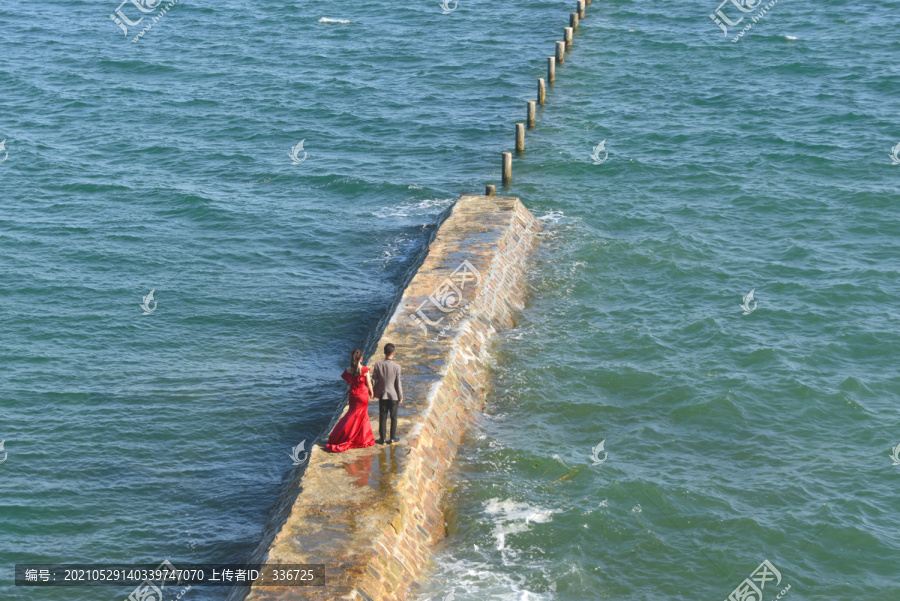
x=353, y=431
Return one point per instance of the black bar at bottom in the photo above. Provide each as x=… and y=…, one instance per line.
x=167, y=574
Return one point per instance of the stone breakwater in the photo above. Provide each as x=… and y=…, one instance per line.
x=371, y=515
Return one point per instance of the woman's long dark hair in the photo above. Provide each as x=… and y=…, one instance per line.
x=356, y=362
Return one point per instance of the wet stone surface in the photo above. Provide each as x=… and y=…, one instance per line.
x=371, y=515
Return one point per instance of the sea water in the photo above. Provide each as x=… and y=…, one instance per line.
x=171, y=162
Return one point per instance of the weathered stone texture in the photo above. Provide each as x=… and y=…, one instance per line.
x=371, y=515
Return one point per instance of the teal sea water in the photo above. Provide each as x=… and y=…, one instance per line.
x=729, y=439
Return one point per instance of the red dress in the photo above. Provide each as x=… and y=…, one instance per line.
x=354, y=430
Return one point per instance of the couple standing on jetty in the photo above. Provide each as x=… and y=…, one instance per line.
x=353, y=430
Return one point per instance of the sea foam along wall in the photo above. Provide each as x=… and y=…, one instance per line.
x=371, y=515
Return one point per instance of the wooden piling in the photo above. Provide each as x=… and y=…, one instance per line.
x=542, y=91
x=520, y=137
x=568, y=36
x=560, y=52
x=581, y=9
x=551, y=69
x=588, y=2
x=573, y=21
x=530, y=114
x=507, y=167
x=490, y=190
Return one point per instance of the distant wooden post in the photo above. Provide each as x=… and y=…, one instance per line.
x=551, y=69
x=581, y=9
x=560, y=52
x=530, y=119
x=490, y=190
x=568, y=36
x=542, y=91
x=573, y=21
x=507, y=167
x=588, y=2
x=520, y=137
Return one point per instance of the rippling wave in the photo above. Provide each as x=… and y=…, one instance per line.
x=164, y=165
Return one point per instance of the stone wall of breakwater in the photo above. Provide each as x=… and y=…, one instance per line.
x=371, y=515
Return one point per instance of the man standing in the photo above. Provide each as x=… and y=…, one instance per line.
x=389, y=392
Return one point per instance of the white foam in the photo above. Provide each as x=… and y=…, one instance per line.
x=431, y=206
x=475, y=573
x=512, y=517
x=790, y=37
x=478, y=579
x=327, y=20
x=560, y=460
x=552, y=217
x=540, y=517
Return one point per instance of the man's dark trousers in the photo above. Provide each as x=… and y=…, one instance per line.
x=386, y=406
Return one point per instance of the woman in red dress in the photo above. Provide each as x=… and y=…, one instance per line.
x=354, y=430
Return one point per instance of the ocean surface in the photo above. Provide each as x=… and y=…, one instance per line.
x=171, y=164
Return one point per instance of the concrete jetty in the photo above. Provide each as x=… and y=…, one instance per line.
x=371, y=515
